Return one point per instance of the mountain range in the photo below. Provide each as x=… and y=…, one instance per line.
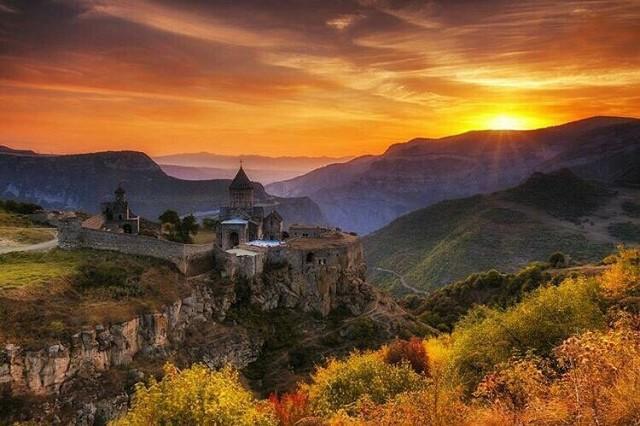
x=204, y=165
x=368, y=192
x=505, y=230
x=81, y=182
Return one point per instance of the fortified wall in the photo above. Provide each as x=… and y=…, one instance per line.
x=190, y=259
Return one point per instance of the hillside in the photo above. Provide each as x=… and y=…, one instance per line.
x=368, y=192
x=504, y=230
x=81, y=182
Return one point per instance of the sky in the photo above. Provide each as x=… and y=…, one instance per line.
x=299, y=77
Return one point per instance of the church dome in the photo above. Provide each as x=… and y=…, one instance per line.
x=241, y=181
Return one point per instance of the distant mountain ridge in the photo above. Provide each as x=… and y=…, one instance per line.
x=82, y=181
x=368, y=192
x=504, y=230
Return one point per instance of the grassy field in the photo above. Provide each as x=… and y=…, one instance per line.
x=14, y=220
x=50, y=295
x=26, y=235
x=204, y=236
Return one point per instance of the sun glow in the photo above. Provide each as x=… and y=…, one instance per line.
x=506, y=122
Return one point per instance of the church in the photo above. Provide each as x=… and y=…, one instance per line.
x=242, y=221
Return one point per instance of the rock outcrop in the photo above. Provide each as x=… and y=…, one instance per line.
x=95, y=349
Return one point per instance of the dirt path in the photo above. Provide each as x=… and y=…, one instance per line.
x=402, y=280
x=47, y=245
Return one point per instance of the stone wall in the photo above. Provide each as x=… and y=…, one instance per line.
x=191, y=259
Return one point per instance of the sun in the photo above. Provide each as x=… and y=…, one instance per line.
x=506, y=122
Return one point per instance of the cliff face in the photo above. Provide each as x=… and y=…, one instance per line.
x=99, y=348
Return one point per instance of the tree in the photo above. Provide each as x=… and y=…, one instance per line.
x=188, y=227
x=170, y=217
x=209, y=224
x=179, y=230
x=558, y=260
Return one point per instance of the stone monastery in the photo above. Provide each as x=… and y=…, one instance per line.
x=247, y=240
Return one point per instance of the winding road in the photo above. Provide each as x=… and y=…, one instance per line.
x=402, y=280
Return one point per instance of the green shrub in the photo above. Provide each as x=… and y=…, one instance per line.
x=487, y=337
x=558, y=259
x=342, y=384
x=118, y=280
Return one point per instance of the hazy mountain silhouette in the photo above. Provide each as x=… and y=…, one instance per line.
x=83, y=181
x=368, y=192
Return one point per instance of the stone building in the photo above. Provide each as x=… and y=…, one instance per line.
x=307, y=231
x=115, y=216
x=242, y=221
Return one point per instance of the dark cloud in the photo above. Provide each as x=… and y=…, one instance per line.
x=306, y=66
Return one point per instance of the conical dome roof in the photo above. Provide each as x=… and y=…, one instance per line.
x=241, y=181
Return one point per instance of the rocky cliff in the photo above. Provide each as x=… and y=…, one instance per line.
x=89, y=375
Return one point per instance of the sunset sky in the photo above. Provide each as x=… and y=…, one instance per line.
x=305, y=77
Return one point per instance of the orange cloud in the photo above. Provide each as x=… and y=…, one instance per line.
x=334, y=78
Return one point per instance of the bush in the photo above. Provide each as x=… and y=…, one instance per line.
x=488, y=337
x=197, y=395
x=408, y=351
x=11, y=206
x=361, y=376
x=290, y=407
x=558, y=260
x=119, y=280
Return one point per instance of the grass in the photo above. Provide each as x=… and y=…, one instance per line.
x=204, y=236
x=14, y=220
x=448, y=241
x=45, y=297
x=26, y=235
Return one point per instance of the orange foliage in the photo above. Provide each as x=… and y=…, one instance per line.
x=411, y=351
x=290, y=407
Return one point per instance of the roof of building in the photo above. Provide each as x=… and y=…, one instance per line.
x=94, y=222
x=304, y=226
x=265, y=243
x=276, y=215
x=242, y=252
x=241, y=181
x=235, y=221
x=332, y=239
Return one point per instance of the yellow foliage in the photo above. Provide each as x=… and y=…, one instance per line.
x=342, y=384
x=196, y=396
x=622, y=278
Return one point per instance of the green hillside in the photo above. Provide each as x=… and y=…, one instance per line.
x=504, y=230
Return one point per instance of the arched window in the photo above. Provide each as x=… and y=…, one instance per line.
x=310, y=257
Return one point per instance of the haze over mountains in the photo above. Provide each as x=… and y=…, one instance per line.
x=204, y=165
x=81, y=182
x=368, y=192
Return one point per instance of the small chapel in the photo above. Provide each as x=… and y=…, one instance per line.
x=242, y=221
